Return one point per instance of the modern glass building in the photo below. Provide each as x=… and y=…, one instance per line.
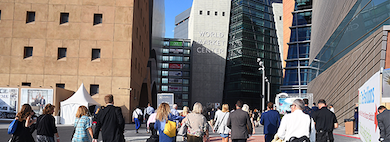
x=297, y=70
x=252, y=35
x=175, y=70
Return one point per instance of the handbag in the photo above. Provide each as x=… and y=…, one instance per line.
x=182, y=130
x=170, y=128
x=74, y=130
x=12, y=127
x=216, y=127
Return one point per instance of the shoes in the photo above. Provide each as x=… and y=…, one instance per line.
x=136, y=131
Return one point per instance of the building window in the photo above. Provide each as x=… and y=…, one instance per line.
x=223, y=13
x=185, y=81
x=0, y=14
x=208, y=12
x=216, y=13
x=61, y=53
x=64, y=18
x=60, y=85
x=164, y=88
x=187, y=51
x=184, y=96
x=26, y=84
x=95, y=54
x=164, y=65
x=185, y=89
x=94, y=89
x=97, y=19
x=164, y=73
x=164, y=80
x=28, y=52
x=200, y=12
x=165, y=50
x=186, y=59
x=187, y=44
x=280, y=17
x=166, y=43
x=30, y=16
x=165, y=58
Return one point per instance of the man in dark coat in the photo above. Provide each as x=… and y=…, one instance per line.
x=384, y=124
x=239, y=123
x=110, y=121
x=271, y=121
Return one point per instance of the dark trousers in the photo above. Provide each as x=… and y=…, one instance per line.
x=269, y=137
x=239, y=140
x=191, y=138
x=324, y=137
x=151, y=128
x=146, y=119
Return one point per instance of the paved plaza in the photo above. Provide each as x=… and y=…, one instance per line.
x=65, y=132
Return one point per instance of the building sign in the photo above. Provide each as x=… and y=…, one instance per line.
x=175, y=81
x=175, y=43
x=211, y=42
x=369, y=101
x=176, y=51
x=37, y=98
x=165, y=98
x=175, y=73
x=8, y=102
x=175, y=66
x=175, y=88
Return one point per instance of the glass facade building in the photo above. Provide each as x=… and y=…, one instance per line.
x=175, y=69
x=365, y=17
x=297, y=70
x=252, y=35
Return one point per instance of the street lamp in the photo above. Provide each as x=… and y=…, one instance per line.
x=261, y=64
x=268, y=83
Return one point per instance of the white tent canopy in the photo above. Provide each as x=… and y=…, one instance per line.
x=69, y=107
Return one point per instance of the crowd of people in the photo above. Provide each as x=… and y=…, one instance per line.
x=237, y=124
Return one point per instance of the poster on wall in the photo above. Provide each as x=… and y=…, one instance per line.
x=8, y=102
x=175, y=81
x=175, y=73
x=165, y=98
x=175, y=88
x=176, y=51
x=37, y=98
x=175, y=66
x=284, y=105
x=369, y=101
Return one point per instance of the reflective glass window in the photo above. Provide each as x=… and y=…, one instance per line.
x=291, y=63
x=185, y=81
x=291, y=77
x=304, y=50
x=164, y=65
x=164, y=73
x=165, y=58
x=164, y=80
x=165, y=50
x=164, y=88
x=292, y=51
x=304, y=33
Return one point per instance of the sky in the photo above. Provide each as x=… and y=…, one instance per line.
x=173, y=8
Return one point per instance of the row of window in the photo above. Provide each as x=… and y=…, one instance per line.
x=94, y=88
x=28, y=52
x=64, y=17
x=208, y=13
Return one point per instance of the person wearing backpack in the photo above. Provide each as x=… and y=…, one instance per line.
x=24, y=120
x=137, y=118
x=296, y=126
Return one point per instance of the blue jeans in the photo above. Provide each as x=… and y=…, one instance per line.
x=137, y=123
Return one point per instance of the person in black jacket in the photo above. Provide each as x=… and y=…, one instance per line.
x=383, y=124
x=110, y=121
x=46, y=127
x=23, y=130
x=239, y=123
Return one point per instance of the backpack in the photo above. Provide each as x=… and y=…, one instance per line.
x=153, y=138
x=300, y=139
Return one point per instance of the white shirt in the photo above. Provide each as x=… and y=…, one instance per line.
x=332, y=109
x=137, y=112
x=295, y=124
x=221, y=120
x=217, y=114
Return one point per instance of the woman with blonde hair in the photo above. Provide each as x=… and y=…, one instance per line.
x=186, y=110
x=46, y=126
x=163, y=115
x=82, y=124
x=245, y=108
x=197, y=125
x=220, y=123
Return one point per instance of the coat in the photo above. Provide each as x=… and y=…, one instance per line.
x=384, y=125
x=239, y=123
x=110, y=121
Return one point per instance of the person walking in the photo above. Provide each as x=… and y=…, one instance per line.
x=24, y=120
x=220, y=123
x=325, y=122
x=307, y=109
x=162, y=116
x=238, y=122
x=137, y=118
x=46, y=126
x=245, y=108
x=331, y=108
x=197, y=125
x=149, y=111
x=174, y=110
x=296, y=125
x=110, y=121
x=271, y=121
x=82, y=126
x=150, y=123
x=384, y=124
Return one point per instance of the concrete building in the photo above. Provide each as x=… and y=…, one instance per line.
x=103, y=44
x=206, y=23
x=349, y=43
x=277, y=9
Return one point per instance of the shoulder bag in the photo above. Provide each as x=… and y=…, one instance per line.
x=170, y=128
x=12, y=127
x=183, y=128
x=74, y=130
x=217, y=126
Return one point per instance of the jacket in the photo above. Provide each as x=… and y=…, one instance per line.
x=110, y=121
x=238, y=122
x=384, y=125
